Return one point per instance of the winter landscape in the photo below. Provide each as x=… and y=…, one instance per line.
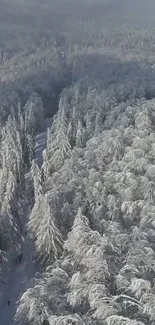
x=77, y=162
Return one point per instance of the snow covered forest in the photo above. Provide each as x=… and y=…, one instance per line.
x=77, y=162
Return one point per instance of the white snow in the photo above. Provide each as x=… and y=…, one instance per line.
x=19, y=275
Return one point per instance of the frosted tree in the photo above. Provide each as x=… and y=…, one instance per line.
x=90, y=285
x=12, y=157
x=12, y=180
x=8, y=227
x=33, y=307
x=44, y=299
x=30, y=122
x=119, y=320
x=11, y=196
x=65, y=320
x=34, y=114
x=46, y=156
x=58, y=146
x=10, y=210
x=3, y=179
x=77, y=296
x=42, y=225
x=36, y=216
x=36, y=175
x=80, y=135
x=30, y=145
x=138, y=287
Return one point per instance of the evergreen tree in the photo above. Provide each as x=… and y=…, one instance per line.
x=48, y=239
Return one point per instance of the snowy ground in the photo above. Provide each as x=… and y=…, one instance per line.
x=19, y=275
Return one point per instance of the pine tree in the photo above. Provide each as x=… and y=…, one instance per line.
x=58, y=145
x=36, y=175
x=48, y=240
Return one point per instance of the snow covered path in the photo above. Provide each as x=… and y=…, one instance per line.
x=20, y=274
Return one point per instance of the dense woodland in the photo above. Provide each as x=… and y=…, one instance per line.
x=90, y=65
